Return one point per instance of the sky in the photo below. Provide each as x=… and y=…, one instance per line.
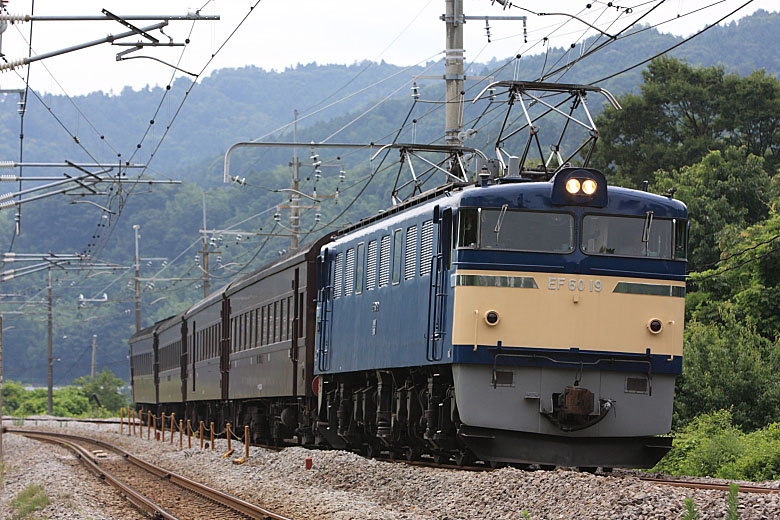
x=283, y=33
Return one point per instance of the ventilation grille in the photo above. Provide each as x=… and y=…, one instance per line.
x=371, y=267
x=338, y=275
x=426, y=248
x=384, y=262
x=349, y=273
x=411, y=253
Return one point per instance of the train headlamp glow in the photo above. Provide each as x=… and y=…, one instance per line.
x=589, y=187
x=573, y=186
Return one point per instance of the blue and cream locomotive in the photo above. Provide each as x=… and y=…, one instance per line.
x=532, y=322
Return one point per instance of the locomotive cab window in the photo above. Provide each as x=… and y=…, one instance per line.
x=513, y=230
x=628, y=236
x=680, y=239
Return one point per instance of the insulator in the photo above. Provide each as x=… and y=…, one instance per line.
x=342, y=175
x=317, y=174
x=313, y=156
x=415, y=91
x=11, y=65
x=336, y=195
x=317, y=217
x=238, y=239
x=316, y=164
x=6, y=196
x=277, y=217
x=7, y=164
x=14, y=17
x=219, y=259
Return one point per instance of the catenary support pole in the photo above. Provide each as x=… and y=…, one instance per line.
x=93, y=372
x=453, y=70
x=137, y=264
x=50, y=374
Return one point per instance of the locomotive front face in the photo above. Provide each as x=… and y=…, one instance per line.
x=568, y=307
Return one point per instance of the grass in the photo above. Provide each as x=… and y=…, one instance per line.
x=30, y=499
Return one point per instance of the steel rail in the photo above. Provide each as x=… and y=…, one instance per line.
x=135, y=498
x=214, y=495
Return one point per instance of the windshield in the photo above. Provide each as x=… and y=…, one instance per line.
x=512, y=230
x=627, y=236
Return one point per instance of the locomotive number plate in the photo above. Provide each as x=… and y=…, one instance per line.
x=556, y=283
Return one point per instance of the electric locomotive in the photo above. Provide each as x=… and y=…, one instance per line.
x=514, y=321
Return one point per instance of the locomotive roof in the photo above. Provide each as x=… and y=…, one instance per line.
x=537, y=195
x=528, y=195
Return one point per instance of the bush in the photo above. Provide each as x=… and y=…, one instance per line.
x=711, y=445
x=728, y=365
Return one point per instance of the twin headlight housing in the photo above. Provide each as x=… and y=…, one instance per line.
x=581, y=186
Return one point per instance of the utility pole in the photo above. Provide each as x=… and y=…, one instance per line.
x=137, y=263
x=295, y=215
x=205, y=253
x=93, y=372
x=453, y=70
x=49, y=350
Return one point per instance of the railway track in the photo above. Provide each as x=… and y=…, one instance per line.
x=175, y=497
x=668, y=481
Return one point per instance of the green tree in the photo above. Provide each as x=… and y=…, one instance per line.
x=728, y=365
x=724, y=189
x=106, y=387
x=670, y=125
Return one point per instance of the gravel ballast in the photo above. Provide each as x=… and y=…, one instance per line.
x=342, y=485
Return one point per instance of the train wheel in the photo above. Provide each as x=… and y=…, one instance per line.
x=441, y=458
x=412, y=453
x=464, y=458
x=372, y=450
x=547, y=467
x=587, y=469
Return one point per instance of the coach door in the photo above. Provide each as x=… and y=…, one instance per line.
x=437, y=292
x=224, y=349
x=294, y=332
x=183, y=360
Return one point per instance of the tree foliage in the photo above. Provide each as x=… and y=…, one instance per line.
x=682, y=114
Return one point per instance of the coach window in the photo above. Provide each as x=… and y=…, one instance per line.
x=290, y=317
x=398, y=239
x=361, y=267
x=262, y=325
x=282, y=319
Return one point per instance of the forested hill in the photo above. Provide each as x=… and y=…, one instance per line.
x=241, y=104
x=245, y=103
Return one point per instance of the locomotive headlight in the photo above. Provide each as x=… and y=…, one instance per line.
x=573, y=186
x=491, y=317
x=655, y=326
x=589, y=187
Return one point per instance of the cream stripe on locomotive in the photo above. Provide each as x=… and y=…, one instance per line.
x=556, y=311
